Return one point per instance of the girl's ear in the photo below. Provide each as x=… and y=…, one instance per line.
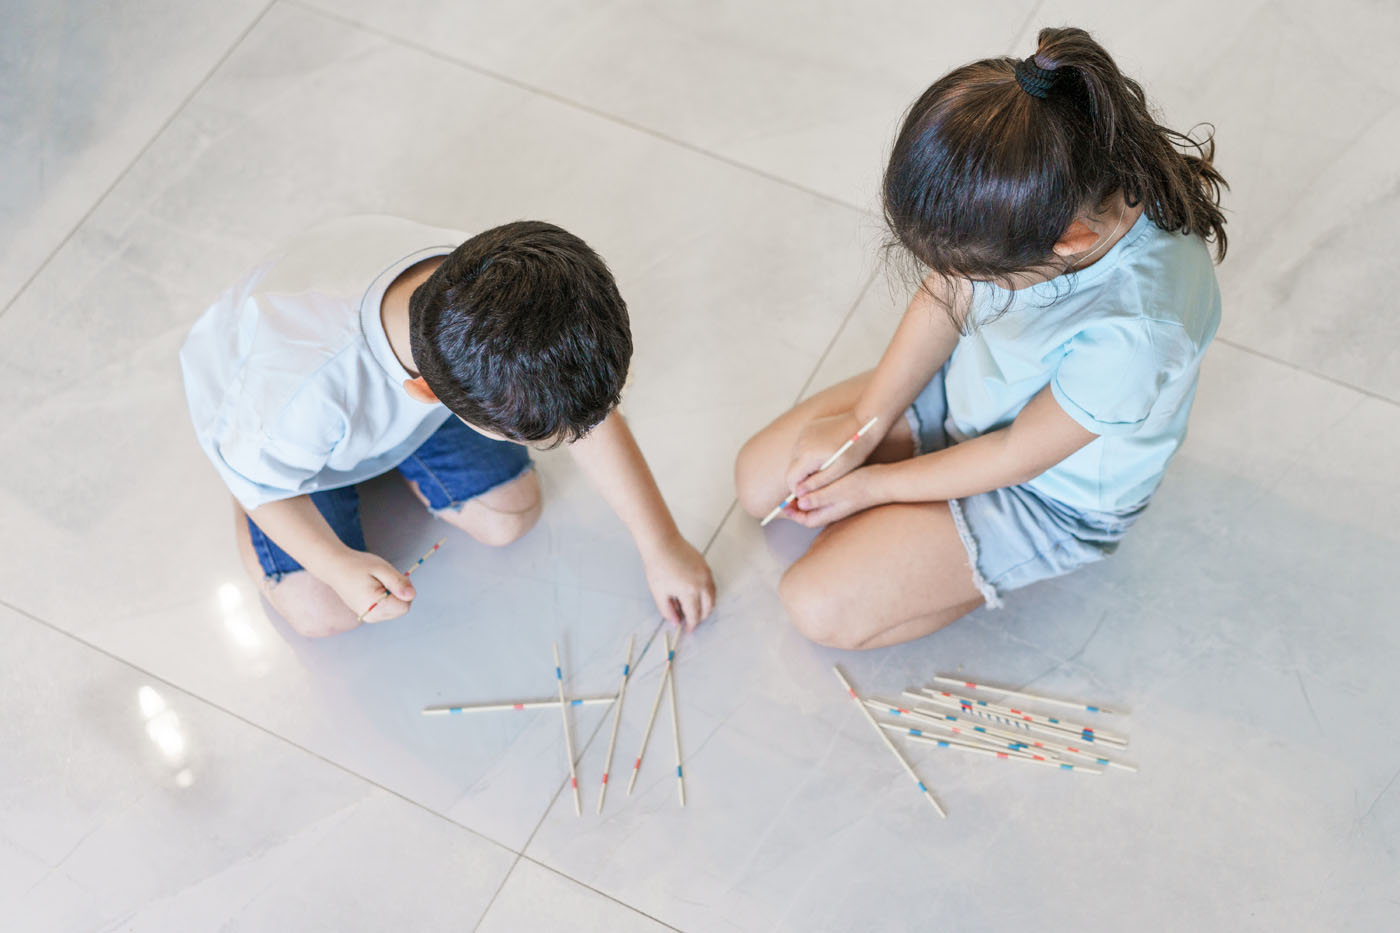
x=1077, y=239
x=418, y=390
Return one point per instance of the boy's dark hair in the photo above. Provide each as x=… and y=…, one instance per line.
x=997, y=158
x=521, y=331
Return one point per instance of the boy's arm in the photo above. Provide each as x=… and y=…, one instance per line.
x=921, y=344
x=358, y=577
x=677, y=574
x=1041, y=436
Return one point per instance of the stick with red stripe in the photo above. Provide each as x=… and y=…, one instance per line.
x=407, y=573
x=568, y=739
x=1038, y=720
x=1072, y=704
x=651, y=720
x=617, y=718
x=886, y=739
x=920, y=736
x=829, y=461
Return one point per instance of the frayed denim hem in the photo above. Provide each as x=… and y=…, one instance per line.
x=989, y=592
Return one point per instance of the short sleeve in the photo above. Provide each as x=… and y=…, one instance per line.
x=262, y=464
x=1112, y=374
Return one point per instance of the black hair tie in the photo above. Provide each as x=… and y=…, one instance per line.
x=1035, y=80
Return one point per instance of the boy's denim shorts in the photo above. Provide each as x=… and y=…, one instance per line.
x=1015, y=536
x=453, y=465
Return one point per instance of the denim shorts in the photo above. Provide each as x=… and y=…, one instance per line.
x=1015, y=536
x=453, y=465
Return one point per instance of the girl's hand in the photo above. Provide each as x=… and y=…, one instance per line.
x=360, y=579
x=852, y=493
x=680, y=581
x=821, y=438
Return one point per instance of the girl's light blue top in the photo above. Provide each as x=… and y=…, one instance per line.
x=1120, y=345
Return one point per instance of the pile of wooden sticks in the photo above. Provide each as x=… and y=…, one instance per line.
x=564, y=703
x=952, y=714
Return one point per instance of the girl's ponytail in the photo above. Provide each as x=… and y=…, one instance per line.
x=1181, y=190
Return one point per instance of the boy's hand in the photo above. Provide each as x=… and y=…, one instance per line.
x=360, y=579
x=852, y=493
x=680, y=582
x=818, y=440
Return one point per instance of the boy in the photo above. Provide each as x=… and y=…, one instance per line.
x=375, y=343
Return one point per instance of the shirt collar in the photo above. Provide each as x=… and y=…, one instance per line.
x=372, y=326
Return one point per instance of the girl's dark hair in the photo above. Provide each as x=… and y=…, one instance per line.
x=989, y=170
x=521, y=331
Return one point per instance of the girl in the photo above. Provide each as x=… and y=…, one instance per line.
x=1040, y=379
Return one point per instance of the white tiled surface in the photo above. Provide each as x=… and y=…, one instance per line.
x=723, y=158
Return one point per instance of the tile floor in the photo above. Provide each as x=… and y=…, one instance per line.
x=172, y=758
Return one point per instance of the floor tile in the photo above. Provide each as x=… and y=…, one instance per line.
x=138, y=806
x=535, y=898
x=68, y=130
x=810, y=95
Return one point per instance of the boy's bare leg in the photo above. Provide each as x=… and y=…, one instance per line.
x=498, y=516
x=310, y=607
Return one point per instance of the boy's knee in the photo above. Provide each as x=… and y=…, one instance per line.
x=502, y=515
x=311, y=608
x=815, y=612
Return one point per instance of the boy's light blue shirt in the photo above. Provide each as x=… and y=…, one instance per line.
x=290, y=379
x=1120, y=345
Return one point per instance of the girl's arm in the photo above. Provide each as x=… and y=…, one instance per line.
x=677, y=574
x=921, y=344
x=1041, y=436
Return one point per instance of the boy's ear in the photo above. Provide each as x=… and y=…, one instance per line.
x=418, y=390
x=1077, y=239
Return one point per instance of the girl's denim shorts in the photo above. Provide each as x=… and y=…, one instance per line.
x=1015, y=536
x=453, y=465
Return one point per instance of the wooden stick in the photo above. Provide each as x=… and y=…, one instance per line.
x=919, y=736
x=407, y=573
x=651, y=720
x=829, y=461
x=675, y=722
x=1006, y=691
x=617, y=718
x=521, y=704
x=1020, y=736
x=1087, y=733
x=890, y=745
x=568, y=739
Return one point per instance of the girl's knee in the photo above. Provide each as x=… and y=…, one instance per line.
x=814, y=610
x=753, y=479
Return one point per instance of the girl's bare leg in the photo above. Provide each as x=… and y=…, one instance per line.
x=883, y=576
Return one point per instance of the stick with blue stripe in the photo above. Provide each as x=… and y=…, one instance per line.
x=675, y=719
x=1072, y=704
x=886, y=739
x=1036, y=720
x=617, y=718
x=1021, y=737
x=651, y=720
x=919, y=735
x=568, y=739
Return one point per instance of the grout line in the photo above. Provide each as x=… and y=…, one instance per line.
x=1017, y=36
x=836, y=335
x=250, y=723
x=570, y=102
x=1369, y=393
x=160, y=130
